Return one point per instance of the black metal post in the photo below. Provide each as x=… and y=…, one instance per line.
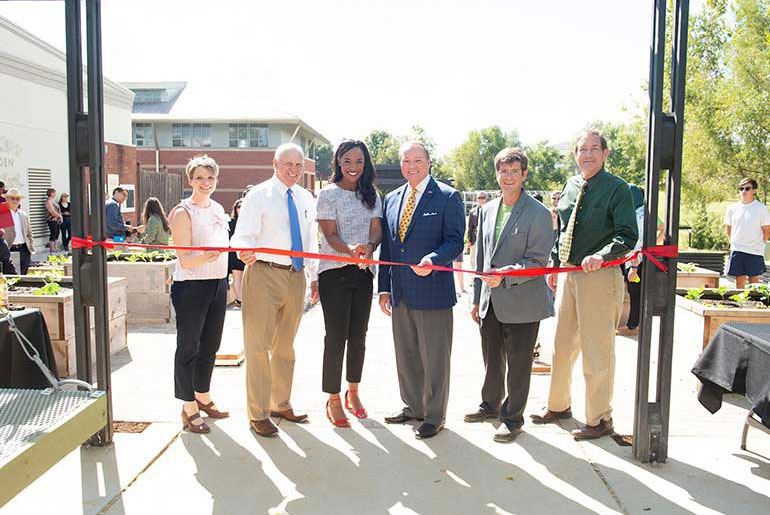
x=664, y=151
x=86, y=147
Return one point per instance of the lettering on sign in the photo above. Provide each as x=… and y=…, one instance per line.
x=9, y=152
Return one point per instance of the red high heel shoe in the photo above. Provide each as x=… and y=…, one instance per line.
x=343, y=422
x=359, y=413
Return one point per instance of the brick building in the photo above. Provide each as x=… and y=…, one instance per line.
x=174, y=121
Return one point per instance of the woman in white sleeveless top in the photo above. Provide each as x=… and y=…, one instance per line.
x=199, y=292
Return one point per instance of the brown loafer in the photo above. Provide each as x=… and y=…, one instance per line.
x=627, y=331
x=587, y=432
x=550, y=417
x=289, y=415
x=210, y=411
x=264, y=427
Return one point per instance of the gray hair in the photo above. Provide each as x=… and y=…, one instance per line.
x=203, y=161
x=284, y=147
x=409, y=144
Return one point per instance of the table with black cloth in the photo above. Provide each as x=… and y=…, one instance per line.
x=16, y=369
x=737, y=360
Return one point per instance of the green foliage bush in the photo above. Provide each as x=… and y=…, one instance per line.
x=708, y=231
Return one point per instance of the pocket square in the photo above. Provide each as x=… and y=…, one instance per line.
x=430, y=214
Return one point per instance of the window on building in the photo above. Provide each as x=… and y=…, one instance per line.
x=150, y=96
x=248, y=135
x=192, y=135
x=143, y=135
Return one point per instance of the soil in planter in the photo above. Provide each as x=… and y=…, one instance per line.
x=731, y=304
x=28, y=290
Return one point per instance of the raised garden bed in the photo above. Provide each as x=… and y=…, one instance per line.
x=689, y=275
x=700, y=317
x=149, y=289
x=59, y=314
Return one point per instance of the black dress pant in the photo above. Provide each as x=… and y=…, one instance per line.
x=200, y=317
x=512, y=345
x=635, y=296
x=346, y=300
x=6, y=265
x=66, y=232
x=25, y=257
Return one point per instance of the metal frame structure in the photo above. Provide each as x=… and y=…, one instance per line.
x=664, y=152
x=86, y=148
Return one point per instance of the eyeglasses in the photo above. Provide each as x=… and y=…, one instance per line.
x=745, y=188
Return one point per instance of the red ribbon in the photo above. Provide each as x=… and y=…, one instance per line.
x=650, y=252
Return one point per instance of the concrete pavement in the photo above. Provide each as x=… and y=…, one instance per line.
x=378, y=468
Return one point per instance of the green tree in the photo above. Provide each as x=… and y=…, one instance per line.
x=546, y=171
x=472, y=162
x=727, y=117
x=383, y=147
x=323, y=161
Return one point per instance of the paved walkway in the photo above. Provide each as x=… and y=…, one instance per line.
x=378, y=468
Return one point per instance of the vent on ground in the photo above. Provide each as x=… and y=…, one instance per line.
x=120, y=426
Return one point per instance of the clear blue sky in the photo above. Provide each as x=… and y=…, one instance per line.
x=346, y=67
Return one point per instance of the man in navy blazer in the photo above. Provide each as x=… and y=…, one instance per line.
x=424, y=224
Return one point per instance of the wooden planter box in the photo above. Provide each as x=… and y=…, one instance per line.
x=701, y=277
x=694, y=320
x=59, y=314
x=149, y=289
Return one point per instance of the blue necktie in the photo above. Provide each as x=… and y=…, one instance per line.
x=296, y=234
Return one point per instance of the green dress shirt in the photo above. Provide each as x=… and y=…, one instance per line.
x=605, y=222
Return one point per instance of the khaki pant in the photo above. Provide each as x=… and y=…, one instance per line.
x=273, y=301
x=588, y=308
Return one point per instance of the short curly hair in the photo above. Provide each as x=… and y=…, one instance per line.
x=201, y=161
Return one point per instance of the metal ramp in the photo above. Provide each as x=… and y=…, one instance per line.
x=39, y=427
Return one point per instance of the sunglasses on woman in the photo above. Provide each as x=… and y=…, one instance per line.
x=746, y=188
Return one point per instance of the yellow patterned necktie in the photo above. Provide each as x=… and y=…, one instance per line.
x=406, y=216
x=565, y=247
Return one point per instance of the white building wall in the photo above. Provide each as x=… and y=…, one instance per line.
x=33, y=112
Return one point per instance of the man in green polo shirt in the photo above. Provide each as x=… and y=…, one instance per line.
x=596, y=224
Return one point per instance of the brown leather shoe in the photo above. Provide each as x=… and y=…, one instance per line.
x=587, y=432
x=210, y=411
x=550, y=417
x=264, y=427
x=187, y=423
x=290, y=416
x=627, y=331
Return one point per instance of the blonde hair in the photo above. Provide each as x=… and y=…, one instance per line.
x=412, y=143
x=203, y=161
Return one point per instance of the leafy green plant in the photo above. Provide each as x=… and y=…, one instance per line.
x=721, y=291
x=48, y=289
x=686, y=267
x=694, y=293
x=763, y=290
x=740, y=297
x=11, y=281
x=51, y=286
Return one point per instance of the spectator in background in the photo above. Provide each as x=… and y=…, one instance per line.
x=6, y=265
x=748, y=226
x=156, y=227
x=632, y=271
x=114, y=218
x=236, y=266
x=53, y=218
x=473, y=224
x=19, y=236
x=538, y=197
x=66, y=226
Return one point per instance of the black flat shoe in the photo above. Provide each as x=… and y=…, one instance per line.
x=427, y=430
x=400, y=418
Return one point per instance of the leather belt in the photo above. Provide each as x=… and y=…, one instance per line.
x=290, y=268
x=17, y=246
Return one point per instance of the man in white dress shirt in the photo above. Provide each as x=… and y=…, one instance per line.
x=276, y=214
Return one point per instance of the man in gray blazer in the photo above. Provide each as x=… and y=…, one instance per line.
x=515, y=232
